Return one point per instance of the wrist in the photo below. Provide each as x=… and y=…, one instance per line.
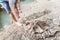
x=18, y=8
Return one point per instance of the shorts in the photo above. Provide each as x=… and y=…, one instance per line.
x=5, y=5
x=12, y=1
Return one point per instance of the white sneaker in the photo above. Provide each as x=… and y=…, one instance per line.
x=19, y=24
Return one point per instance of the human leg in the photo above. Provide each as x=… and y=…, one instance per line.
x=13, y=9
x=12, y=18
x=5, y=5
x=18, y=6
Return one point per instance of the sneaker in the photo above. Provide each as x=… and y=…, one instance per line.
x=19, y=24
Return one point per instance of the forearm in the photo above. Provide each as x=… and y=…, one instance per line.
x=18, y=4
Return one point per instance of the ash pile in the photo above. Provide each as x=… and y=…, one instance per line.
x=33, y=29
x=42, y=25
x=42, y=30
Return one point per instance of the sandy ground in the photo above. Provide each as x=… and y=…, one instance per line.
x=40, y=5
